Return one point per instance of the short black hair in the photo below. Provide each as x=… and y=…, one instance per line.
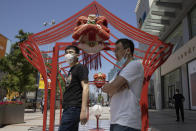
x=77, y=50
x=126, y=43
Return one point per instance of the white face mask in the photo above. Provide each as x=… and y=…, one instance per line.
x=122, y=60
x=69, y=58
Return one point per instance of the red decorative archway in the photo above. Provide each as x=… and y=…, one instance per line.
x=156, y=54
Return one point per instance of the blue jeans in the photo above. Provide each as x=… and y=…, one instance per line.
x=70, y=119
x=116, y=127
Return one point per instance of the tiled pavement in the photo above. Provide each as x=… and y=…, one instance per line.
x=160, y=120
x=34, y=120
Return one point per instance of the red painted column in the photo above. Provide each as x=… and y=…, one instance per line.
x=61, y=98
x=45, y=104
x=144, y=105
x=53, y=87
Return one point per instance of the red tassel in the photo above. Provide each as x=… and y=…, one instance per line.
x=92, y=61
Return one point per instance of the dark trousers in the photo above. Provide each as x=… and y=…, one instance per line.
x=180, y=108
x=70, y=119
x=116, y=127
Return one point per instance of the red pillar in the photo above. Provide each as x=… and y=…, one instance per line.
x=53, y=87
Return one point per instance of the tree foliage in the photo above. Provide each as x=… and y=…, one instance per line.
x=19, y=74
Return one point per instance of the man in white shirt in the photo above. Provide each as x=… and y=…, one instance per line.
x=125, y=89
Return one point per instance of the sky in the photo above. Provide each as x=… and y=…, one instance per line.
x=30, y=15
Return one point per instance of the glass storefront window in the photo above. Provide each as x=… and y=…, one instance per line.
x=151, y=96
x=192, y=83
x=193, y=22
x=172, y=81
x=176, y=38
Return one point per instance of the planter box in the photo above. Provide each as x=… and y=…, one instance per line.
x=1, y=114
x=11, y=114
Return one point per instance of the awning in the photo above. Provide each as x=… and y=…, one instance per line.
x=161, y=15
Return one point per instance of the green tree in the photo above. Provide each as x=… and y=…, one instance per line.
x=62, y=84
x=19, y=74
x=100, y=99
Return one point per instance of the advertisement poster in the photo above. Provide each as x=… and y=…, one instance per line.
x=41, y=83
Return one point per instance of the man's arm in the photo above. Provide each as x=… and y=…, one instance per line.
x=131, y=72
x=117, y=85
x=85, y=93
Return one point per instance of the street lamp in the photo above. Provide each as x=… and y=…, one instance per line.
x=49, y=23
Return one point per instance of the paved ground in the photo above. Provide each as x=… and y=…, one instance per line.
x=34, y=122
x=163, y=120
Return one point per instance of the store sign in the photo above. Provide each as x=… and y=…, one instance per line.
x=187, y=52
x=180, y=57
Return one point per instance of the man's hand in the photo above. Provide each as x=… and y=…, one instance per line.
x=107, y=88
x=83, y=117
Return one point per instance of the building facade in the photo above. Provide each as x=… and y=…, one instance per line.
x=173, y=21
x=5, y=48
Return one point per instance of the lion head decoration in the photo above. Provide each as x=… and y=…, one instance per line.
x=99, y=79
x=91, y=32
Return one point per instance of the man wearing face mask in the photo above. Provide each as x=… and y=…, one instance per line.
x=179, y=99
x=125, y=89
x=76, y=92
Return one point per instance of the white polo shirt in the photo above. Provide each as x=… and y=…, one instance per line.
x=124, y=107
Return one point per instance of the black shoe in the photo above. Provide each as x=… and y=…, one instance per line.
x=177, y=120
